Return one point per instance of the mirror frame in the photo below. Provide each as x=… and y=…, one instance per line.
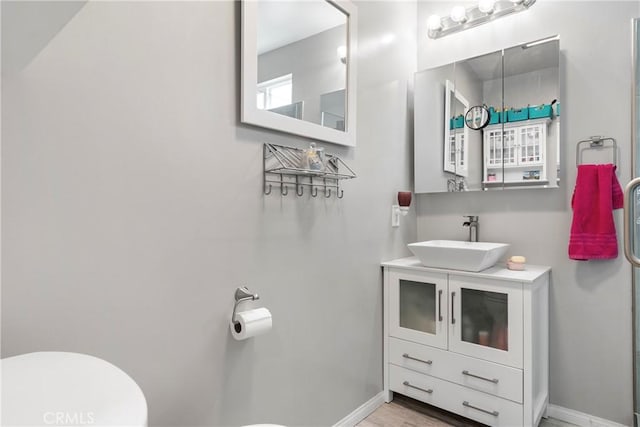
x=249, y=112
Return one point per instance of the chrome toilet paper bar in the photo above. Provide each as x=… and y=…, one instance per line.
x=242, y=294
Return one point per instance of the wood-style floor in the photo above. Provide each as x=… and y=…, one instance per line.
x=406, y=412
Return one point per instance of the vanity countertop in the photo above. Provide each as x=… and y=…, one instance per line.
x=497, y=272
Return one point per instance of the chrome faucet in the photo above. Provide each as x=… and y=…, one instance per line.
x=473, y=224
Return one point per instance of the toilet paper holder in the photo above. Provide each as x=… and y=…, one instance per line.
x=242, y=294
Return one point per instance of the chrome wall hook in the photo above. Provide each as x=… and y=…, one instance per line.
x=340, y=195
x=299, y=187
x=284, y=190
x=242, y=294
x=267, y=192
x=314, y=192
x=327, y=192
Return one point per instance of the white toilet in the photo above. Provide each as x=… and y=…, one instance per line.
x=58, y=388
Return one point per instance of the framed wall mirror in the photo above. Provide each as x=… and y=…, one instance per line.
x=456, y=135
x=298, y=68
x=506, y=132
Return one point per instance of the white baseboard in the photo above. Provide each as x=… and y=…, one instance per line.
x=362, y=412
x=579, y=418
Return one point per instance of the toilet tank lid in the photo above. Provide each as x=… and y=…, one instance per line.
x=53, y=387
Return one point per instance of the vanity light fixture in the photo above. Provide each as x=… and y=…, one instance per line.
x=462, y=19
x=459, y=14
x=342, y=54
x=434, y=23
x=486, y=6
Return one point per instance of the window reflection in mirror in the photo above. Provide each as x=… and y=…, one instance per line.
x=302, y=72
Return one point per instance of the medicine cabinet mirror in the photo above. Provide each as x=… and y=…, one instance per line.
x=298, y=67
x=501, y=115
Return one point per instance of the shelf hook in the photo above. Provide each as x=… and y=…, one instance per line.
x=327, y=192
x=314, y=191
x=267, y=192
x=284, y=190
x=340, y=195
x=299, y=188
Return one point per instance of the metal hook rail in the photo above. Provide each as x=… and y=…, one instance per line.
x=282, y=167
x=597, y=142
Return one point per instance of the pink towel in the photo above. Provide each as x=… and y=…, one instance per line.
x=597, y=194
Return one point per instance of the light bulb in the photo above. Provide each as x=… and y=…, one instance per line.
x=486, y=6
x=434, y=23
x=458, y=14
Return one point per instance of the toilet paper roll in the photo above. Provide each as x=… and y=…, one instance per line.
x=251, y=323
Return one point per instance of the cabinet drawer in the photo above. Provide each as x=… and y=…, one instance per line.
x=476, y=405
x=499, y=380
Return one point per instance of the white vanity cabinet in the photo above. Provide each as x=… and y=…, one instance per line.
x=471, y=343
x=517, y=153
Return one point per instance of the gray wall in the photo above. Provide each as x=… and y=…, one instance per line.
x=590, y=302
x=532, y=88
x=429, y=108
x=133, y=207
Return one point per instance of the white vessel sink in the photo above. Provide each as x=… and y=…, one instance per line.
x=457, y=255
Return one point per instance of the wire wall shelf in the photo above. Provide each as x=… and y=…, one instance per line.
x=282, y=167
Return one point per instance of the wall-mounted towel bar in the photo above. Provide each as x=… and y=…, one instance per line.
x=597, y=142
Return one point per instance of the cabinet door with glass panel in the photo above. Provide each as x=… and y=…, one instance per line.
x=418, y=307
x=516, y=153
x=485, y=320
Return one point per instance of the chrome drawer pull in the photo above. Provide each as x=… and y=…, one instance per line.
x=417, y=388
x=468, y=405
x=453, y=318
x=491, y=380
x=406, y=356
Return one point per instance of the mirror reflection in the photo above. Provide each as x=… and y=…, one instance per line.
x=456, y=135
x=477, y=117
x=301, y=57
x=492, y=138
x=530, y=145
